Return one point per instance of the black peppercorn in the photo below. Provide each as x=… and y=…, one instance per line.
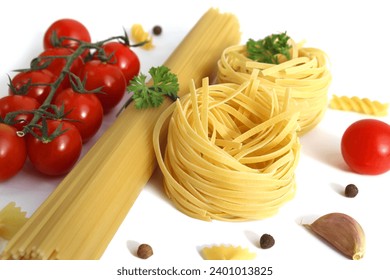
x=266, y=241
x=157, y=30
x=351, y=190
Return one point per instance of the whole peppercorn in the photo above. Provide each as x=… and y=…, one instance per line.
x=144, y=251
x=266, y=241
x=351, y=190
x=157, y=30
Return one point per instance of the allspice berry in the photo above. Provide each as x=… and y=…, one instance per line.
x=157, y=30
x=266, y=241
x=144, y=251
x=351, y=190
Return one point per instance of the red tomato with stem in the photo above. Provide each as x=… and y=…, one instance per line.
x=109, y=77
x=365, y=147
x=12, y=103
x=56, y=156
x=13, y=152
x=124, y=58
x=34, y=83
x=66, y=27
x=56, y=65
x=84, y=108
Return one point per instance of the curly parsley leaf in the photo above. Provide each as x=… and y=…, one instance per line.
x=267, y=50
x=147, y=95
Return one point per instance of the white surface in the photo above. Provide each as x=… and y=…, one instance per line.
x=355, y=36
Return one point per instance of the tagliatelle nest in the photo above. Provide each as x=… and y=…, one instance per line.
x=305, y=75
x=231, y=151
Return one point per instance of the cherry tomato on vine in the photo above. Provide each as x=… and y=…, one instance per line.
x=12, y=103
x=109, y=77
x=123, y=57
x=32, y=83
x=56, y=65
x=66, y=28
x=365, y=147
x=12, y=152
x=84, y=108
x=56, y=156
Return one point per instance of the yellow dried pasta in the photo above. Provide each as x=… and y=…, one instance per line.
x=139, y=35
x=227, y=253
x=306, y=75
x=231, y=151
x=359, y=105
x=12, y=218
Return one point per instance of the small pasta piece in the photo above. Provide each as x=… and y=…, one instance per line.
x=359, y=105
x=227, y=253
x=139, y=35
x=11, y=220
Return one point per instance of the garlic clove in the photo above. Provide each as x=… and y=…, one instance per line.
x=342, y=232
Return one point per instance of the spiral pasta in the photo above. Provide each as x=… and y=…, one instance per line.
x=231, y=151
x=359, y=105
x=306, y=75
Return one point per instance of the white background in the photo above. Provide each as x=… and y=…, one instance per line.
x=355, y=36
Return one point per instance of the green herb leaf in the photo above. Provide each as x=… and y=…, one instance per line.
x=268, y=49
x=165, y=83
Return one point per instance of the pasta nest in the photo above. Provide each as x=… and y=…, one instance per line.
x=230, y=151
x=306, y=75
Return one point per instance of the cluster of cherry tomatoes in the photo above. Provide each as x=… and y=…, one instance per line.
x=37, y=132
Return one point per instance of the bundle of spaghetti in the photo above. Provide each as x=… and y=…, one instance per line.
x=80, y=217
x=306, y=75
x=359, y=105
x=231, y=151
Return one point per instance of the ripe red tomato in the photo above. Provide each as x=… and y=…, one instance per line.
x=57, y=64
x=66, y=28
x=12, y=152
x=84, y=108
x=32, y=83
x=56, y=157
x=12, y=103
x=99, y=74
x=365, y=147
x=123, y=57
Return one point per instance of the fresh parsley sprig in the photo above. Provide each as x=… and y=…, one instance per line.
x=151, y=95
x=267, y=50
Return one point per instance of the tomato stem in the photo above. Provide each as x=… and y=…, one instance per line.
x=82, y=46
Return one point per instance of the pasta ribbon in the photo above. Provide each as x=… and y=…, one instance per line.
x=231, y=151
x=359, y=105
x=306, y=75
